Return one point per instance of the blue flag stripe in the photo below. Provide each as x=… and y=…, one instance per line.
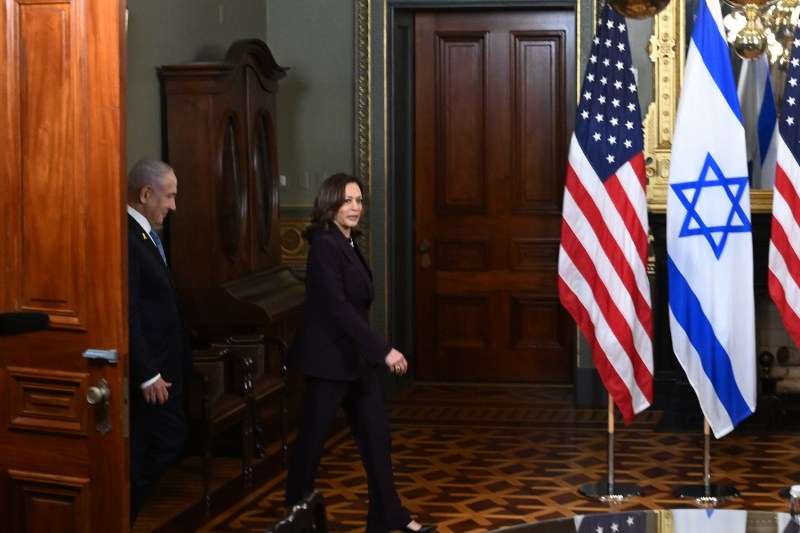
x=713, y=357
x=767, y=116
x=714, y=51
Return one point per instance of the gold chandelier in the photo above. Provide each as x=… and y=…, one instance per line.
x=638, y=9
x=758, y=26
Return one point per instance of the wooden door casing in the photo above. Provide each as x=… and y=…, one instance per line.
x=494, y=95
x=63, y=253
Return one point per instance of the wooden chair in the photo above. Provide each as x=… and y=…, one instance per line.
x=263, y=382
x=215, y=403
x=308, y=516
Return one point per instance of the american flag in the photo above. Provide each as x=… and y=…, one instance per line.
x=603, y=256
x=784, y=262
x=623, y=522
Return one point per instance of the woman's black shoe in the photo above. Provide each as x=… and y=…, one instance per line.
x=422, y=529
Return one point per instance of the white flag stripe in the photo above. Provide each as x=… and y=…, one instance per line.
x=708, y=130
x=599, y=194
x=608, y=276
x=710, y=521
x=709, y=402
x=779, y=268
x=782, y=213
x=781, y=210
x=607, y=341
x=628, y=181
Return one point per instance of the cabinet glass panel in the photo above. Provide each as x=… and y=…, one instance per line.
x=230, y=193
x=264, y=181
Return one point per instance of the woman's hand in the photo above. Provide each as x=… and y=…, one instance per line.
x=396, y=362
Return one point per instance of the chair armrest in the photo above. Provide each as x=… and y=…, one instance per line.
x=243, y=368
x=274, y=359
x=206, y=381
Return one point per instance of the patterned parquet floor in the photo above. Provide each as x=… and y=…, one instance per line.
x=474, y=458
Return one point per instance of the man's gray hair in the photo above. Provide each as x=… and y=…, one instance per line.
x=146, y=172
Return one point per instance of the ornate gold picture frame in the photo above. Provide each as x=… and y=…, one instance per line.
x=667, y=51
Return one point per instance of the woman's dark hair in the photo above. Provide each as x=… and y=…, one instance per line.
x=330, y=197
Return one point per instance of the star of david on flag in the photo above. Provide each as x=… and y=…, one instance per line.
x=702, y=198
x=709, y=234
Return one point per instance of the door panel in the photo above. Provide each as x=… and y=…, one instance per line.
x=63, y=253
x=494, y=95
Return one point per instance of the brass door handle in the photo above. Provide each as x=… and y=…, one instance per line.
x=99, y=396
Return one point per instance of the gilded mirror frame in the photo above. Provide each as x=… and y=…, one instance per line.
x=667, y=51
x=362, y=91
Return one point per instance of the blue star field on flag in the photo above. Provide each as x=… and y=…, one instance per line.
x=608, y=125
x=791, y=101
x=623, y=522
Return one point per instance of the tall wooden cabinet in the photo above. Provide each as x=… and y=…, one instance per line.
x=223, y=239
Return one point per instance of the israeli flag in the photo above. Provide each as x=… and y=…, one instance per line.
x=710, y=520
x=709, y=241
x=760, y=120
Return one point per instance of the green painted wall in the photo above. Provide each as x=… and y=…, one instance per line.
x=316, y=103
x=166, y=32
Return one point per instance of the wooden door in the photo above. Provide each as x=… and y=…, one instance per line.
x=495, y=95
x=62, y=253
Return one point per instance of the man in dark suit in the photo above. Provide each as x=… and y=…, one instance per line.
x=159, y=351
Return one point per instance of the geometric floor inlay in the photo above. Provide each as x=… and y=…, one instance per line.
x=478, y=457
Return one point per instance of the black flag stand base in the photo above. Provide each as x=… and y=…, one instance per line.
x=707, y=495
x=609, y=491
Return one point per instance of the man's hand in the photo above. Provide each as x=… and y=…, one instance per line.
x=157, y=392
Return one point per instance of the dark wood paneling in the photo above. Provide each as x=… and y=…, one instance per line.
x=43, y=502
x=463, y=255
x=463, y=321
x=534, y=254
x=62, y=216
x=48, y=402
x=539, y=140
x=53, y=165
x=460, y=74
x=492, y=98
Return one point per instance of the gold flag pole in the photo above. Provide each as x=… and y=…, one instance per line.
x=610, y=491
x=707, y=494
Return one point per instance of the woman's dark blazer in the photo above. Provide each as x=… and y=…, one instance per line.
x=334, y=339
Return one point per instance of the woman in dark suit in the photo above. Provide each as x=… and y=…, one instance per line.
x=338, y=353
